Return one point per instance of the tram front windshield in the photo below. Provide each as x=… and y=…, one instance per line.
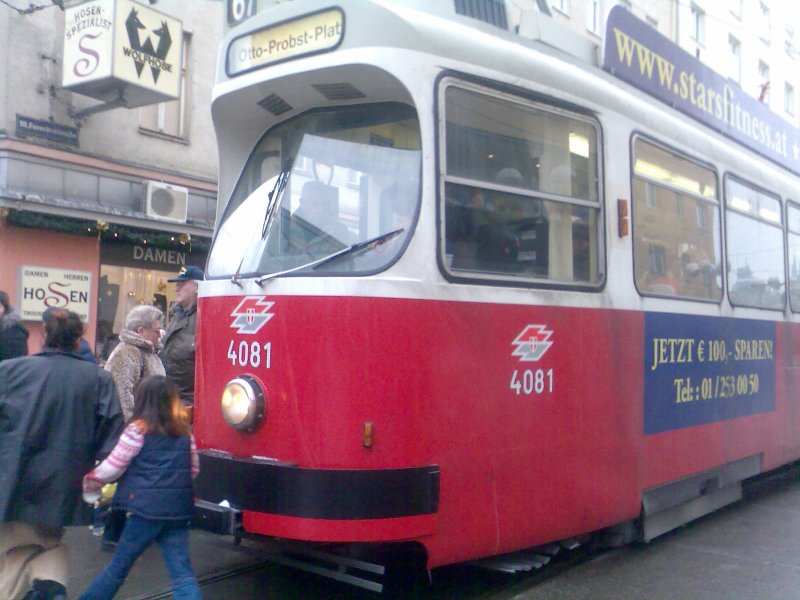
x=333, y=191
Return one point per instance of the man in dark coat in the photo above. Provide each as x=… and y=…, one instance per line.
x=85, y=350
x=58, y=414
x=178, y=341
x=13, y=336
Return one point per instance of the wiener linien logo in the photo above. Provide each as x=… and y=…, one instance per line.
x=532, y=343
x=252, y=314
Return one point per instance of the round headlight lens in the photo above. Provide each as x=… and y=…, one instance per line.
x=243, y=404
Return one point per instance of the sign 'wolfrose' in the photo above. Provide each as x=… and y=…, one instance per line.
x=638, y=54
x=118, y=49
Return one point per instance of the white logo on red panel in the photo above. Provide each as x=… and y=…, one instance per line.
x=252, y=314
x=532, y=343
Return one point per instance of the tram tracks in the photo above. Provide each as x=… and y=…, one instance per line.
x=468, y=581
x=165, y=593
x=501, y=587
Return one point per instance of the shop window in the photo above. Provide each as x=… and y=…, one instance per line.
x=121, y=288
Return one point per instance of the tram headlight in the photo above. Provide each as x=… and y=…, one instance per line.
x=243, y=405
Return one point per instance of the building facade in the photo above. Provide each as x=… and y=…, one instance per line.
x=751, y=42
x=101, y=204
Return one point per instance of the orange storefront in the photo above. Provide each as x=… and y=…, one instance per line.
x=86, y=234
x=96, y=274
x=20, y=247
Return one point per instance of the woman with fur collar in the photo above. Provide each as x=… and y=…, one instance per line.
x=136, y=356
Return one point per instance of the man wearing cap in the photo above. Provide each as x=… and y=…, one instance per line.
x=178, y=341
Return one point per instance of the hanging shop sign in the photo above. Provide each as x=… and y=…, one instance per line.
x=45, y=287
x=118, y=50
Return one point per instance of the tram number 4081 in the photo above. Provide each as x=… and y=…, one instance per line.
x=532, y=382
x=250, y=354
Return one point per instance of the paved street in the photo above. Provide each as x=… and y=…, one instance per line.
x=748, y=551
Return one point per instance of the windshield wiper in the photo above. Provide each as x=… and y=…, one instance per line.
x=360, y=246
x=274, y=196
x=269, y=214
x=352, y=249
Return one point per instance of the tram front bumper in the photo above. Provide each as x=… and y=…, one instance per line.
x=284, y=489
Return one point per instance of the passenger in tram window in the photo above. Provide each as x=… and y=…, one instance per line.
x=508, y=205
x=466, y=216
x=581, y=249
x=13, y=336
x=698, y=274
x=316, y=219
x=399, y=201
x=659, y=278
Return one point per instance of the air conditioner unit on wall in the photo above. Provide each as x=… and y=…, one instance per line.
x=166, y=202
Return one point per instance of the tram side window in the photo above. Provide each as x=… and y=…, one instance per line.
x=754, y=237
x=521, y=199
x=676, y=225
x=793, y=228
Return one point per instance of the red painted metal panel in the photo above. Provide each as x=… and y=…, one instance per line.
x=533, y=414
x=529, y=451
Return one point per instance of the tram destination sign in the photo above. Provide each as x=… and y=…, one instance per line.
x=638, y=54
x=318, y=32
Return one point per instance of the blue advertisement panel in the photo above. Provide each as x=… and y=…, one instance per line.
x=701, y=370
x=638, y=54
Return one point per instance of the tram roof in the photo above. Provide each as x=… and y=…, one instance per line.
x=561, y=58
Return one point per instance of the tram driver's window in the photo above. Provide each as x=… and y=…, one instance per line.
x=754, y=238
x=521, y=191
x=676, y=231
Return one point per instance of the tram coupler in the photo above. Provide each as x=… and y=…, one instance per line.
x=217, y=518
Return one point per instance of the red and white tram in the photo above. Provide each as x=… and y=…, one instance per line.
x=472, y=294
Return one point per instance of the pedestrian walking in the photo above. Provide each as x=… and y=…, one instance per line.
x=58, y=416
x=155, y=462
x=178, y=342
x=135, y=356
x=13, y=336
